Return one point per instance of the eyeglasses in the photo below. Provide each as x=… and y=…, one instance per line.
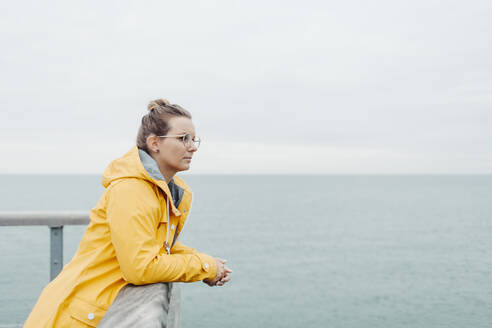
x=187, y=139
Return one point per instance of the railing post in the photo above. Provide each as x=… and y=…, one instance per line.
x=56, y=251
x=174, y=312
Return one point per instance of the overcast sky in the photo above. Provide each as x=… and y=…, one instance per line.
x=274, y=86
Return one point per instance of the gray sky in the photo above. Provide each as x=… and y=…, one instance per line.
x=273, y=86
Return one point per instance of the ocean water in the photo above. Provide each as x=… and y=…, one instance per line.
x=310, y=251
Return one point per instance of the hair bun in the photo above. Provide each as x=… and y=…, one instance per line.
x=158, y=103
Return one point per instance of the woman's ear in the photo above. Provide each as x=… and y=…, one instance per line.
x=153, y=143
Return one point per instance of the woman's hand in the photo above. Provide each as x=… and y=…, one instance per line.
x=226, y=276
x=222, y=276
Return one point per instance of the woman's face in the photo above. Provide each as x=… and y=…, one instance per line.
x=174, y=155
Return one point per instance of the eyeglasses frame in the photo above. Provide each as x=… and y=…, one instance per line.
x=182, y=138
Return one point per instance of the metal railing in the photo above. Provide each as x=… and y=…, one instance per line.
x=55, y=221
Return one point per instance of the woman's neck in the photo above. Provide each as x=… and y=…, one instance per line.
x=167, y=173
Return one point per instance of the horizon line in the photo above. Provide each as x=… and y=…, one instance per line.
x=260, y=173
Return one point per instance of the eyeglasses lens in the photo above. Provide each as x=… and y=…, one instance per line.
x=189, y=140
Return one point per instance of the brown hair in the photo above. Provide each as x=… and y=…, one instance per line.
x=156, y=121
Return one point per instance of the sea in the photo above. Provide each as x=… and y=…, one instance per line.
x=379, y=251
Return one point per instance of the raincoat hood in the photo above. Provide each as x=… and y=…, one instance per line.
x=140, y=165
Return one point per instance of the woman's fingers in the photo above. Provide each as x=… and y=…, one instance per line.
x=224, y=279
x=223, y=272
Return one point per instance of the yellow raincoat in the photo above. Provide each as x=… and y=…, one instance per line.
x=124, y=243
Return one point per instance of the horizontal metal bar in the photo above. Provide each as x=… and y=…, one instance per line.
x=52, y=219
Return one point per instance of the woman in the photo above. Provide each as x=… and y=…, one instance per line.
x=132, y=235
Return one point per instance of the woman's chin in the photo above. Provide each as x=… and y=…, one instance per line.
x=185, y=167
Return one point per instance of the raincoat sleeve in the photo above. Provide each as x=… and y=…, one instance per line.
x=180, y=248
x=133, y=214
